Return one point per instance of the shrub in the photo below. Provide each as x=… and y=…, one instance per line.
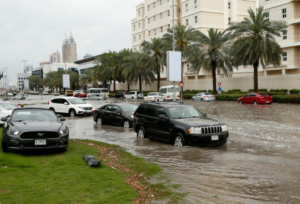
x=188, y=95
x=260, y=90
x=286, y=99
x=294, y=91
x=279, y=90
x=276, y=93
x=228, y=97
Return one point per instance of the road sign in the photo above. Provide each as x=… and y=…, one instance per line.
x=181, y=84
x=219, y=89
x=219, y=83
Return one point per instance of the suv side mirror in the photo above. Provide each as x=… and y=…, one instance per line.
x=162, y=117
x=66, y=103
x=4, y=119
x=204, y=114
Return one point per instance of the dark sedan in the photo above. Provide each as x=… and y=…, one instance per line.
x=115, y=114
x=119, y=95
x=34, y=128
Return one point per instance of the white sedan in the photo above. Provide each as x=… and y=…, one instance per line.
x=6, y=109
x=154, y=96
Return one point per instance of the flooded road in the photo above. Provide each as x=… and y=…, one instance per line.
x=259, y=164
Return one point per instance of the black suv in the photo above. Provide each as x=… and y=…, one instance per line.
x=179, y=124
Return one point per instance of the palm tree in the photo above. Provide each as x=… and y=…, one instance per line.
x=184, y=38
x=256, y=41
x=136, y=68
x=156, y=56
x=35, y=82
x=211, y=53
x=88, y=77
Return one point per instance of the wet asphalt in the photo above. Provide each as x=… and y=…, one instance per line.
x=259, y=164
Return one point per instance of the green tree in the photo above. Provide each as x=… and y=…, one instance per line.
x=88, y=77
x=35, y=82
x=212, y=53
x=255, y=41
x=156, y=60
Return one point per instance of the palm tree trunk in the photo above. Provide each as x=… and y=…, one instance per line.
x=255, y=66
x=115, y=85
x=140, y=82
x=213, y=70
x=128, y=85
x=158, y=81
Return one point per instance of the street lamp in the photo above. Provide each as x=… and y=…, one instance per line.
x=5, y=71
x=25, y=75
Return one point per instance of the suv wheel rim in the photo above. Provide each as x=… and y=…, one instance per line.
x=99, y=121
x=178, y=142
x=72, y=114
x=141, y=134
x=126, y=124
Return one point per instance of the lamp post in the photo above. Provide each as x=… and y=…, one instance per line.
x=174, y=95
x=5, y=72
x=25, y=75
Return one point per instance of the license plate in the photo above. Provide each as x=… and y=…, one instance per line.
x=267, y=101
x=215, y=137
x=40, y=142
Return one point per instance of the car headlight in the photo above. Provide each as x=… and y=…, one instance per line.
x=224, y=128
x=195, y=130
x=81, y=107
x=62, y=131
x=12, y=132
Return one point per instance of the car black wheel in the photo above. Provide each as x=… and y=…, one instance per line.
x=126, y=124
x=72, y=113
x=3, y=144
x=99, y=121
x=179, y=140
x=132, y=97
x=255, y=103
x=141, y=133
x=52, y=109
x=202, y=100
x=240, y=102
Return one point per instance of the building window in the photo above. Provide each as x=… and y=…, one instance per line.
x=139, y=13
x=187, y=22
x=133, y=27
x=161, y=15
x=139, y=25
x=196, y=19
x=161, y=29
x=154, y=31
x=267, y=0
x=168, y=25
x=178, y=10
x=195, y=1
x=229, y=20
x=148, y=20
x=228, y=5
x=284, y=13
x=154, y=5
x=188, y=67
x=148, y=33
x=154, y=18
x=160, y=2
x=139, y=37
x=134, y=38
x=284, y=35
x=284, y=56
x=168, y=12
x=148, y=7
x=186, y=7
x=268, y=16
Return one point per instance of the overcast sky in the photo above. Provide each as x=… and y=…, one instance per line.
x=33, y=29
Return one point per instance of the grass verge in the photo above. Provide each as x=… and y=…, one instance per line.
x=47, y=177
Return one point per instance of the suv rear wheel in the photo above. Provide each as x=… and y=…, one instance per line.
x=141, y=133
x=179, y=140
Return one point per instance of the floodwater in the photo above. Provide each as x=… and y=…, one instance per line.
x=259, y=164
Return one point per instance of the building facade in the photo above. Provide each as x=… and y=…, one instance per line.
x=55, y=57
x=69, y=50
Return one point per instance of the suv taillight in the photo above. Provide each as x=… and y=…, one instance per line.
x=48, y=102
x=133, y=117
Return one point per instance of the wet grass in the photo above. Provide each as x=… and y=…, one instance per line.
x=55, y=177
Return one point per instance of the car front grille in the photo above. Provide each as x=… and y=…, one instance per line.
x=39, y=135
x=211, y=130
x=87, y=108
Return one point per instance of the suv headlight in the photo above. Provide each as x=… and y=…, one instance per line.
x=224, y=128
x=62, y=131
x=195, y=130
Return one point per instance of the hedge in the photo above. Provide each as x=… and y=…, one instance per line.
x=260, y=90
x=279, y=90
x=286, y=99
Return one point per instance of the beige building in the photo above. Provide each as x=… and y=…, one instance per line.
x=69, y=50
x=153, y=17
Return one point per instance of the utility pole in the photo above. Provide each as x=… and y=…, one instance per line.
x=25, y=76
x=174, y=95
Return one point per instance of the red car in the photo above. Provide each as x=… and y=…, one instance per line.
x=256, y=98
x=80, y=95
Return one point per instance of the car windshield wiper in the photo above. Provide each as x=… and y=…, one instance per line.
x=17, y=120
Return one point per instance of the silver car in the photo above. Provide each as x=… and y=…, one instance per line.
x=204, y=96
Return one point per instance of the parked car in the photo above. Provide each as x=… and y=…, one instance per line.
x=6, y=109
x=55, y=93
x=68, y=92
x=179, y=124
x=19, y=97
x=154, y=96
x=115, y=114
x=134, y=94
x=168, y=93
x=77, y=91
x=119, y=95
x=204, y=96
x=10, y=94
x=34, y=128
x=70, y=105
x=80, y=95
x=95, y=97
x=256, y=98
x=45, y=93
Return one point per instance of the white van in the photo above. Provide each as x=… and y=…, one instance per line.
x=167, y=92
x=98, y=91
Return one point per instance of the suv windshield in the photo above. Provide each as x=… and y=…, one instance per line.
x=76, y=101
x=184, y=112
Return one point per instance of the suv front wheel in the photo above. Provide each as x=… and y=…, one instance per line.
x=141, y=133
x=179, y=140
x=72, y=113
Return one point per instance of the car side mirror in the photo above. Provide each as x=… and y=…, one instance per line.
x=66, y=103
x=4, y=119
x=204, y=114
x=162, y=117
x=62, y=119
